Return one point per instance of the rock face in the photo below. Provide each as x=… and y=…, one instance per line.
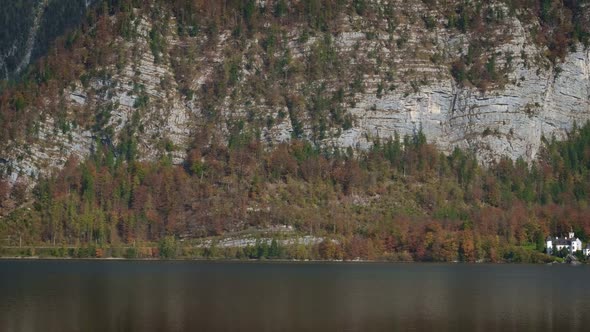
x=505, y=122
x=405, y=86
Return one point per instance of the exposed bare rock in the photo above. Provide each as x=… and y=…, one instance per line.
x=405, y=86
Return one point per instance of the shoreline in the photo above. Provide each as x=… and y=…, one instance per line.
x=269, y=261
x=199, y=259
x=270, y=254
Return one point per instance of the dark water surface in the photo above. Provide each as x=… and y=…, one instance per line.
x=197, y=296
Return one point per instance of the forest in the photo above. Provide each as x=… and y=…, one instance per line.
x=401, y=200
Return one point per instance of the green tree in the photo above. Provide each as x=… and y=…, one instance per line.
x=168, y=247
x=274, y=250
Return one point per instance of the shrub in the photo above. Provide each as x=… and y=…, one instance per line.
x=131, y=253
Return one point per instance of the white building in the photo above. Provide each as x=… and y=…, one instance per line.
x=571, y=243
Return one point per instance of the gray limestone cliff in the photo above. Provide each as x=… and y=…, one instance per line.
x=400, y=78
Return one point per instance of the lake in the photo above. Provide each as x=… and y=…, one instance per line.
x=201, y=296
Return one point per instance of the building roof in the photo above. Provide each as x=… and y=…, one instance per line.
x=562, y=241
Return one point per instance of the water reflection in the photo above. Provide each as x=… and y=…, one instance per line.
x=189, y=296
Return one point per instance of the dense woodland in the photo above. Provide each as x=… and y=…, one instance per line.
x=400, y=200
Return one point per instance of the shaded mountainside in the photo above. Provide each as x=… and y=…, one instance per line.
x=28, y=28
x=178, y=112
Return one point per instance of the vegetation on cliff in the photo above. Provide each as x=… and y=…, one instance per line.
x=401, y=199
x=316, y=89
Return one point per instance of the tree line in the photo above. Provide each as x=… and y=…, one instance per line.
x=401, y=198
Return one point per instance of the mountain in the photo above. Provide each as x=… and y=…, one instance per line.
x=489, y=77
x=171, y=81
x=28, y=27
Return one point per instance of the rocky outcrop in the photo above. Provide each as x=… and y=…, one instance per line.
x=539, y=100
x=504, y=122
x=536, y=98
x=30, y=44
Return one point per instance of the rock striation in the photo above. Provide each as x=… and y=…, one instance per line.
x=405, y=86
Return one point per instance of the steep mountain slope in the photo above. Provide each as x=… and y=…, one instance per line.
x=161, y=121
x=28, y=27
x=492, y=77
